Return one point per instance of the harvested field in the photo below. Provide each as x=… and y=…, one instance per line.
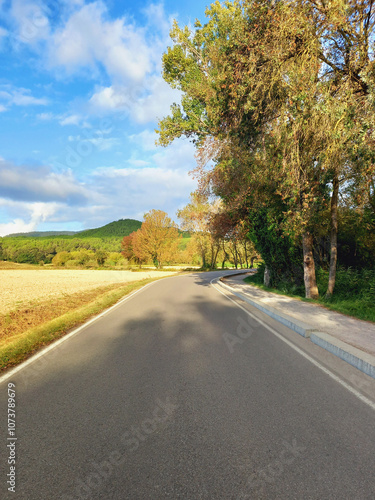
x=19, y=288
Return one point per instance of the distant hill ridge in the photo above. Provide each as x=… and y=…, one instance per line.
x=116, y=229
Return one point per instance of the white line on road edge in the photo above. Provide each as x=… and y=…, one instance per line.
x=309, y=358
x=18, y=368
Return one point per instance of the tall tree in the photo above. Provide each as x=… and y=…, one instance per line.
x=195, y=217
x=258, y=80
x=158, y=238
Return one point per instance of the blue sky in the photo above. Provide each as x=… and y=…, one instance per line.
x=80, y=94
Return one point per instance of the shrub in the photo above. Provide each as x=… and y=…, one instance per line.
x=61, y=258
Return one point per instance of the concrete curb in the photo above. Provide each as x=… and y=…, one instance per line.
x=362, y=360
x=359, y=359
x=298, y=326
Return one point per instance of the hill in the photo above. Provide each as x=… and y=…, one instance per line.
x=116, y=229
x=41, y=234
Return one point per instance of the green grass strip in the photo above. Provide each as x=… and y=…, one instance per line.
x=359, y=305
x=18, y=348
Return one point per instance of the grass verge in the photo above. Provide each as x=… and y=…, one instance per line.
x=354, y=293
x=52, y=320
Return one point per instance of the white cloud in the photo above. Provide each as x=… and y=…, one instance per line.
x=70, y=120
x=164, y=183
x=160, y=180
x=30, y=19
x=156, y=17
x=138, y=163
x=97, y=139
x=89, y=39
x=104, y=144
x=111, y=99
x=23, y=97
x=27, y=184
x=145, y=139
x=17, y=226
x=20, y=97
x=36, y=214
x=45, y=116
x=156, y=104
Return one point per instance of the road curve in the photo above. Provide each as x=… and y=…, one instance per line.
x=178, y=394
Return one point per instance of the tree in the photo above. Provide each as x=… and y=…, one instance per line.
x=100, y=257
x=131, y=249
x=258, y=81
x=127, y=247
x=158, y=238
x=195, y=218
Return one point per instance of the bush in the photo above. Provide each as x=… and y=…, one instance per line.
x=100, y=257
x=61, y=258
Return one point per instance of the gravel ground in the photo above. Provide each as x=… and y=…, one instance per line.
x=22, y=287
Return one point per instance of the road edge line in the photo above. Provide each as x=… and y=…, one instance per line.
x=361, y=360
x=58, y=342
x=360, y=396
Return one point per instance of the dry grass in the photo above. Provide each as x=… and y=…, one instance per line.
x=23, y=287
x=26, y=331
x=19, y=320
x=40, y=305
x=14, y=265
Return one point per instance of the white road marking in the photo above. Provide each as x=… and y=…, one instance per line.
x=360, y=396
x=55, y=344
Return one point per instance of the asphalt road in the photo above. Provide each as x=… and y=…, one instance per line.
x=178, y=394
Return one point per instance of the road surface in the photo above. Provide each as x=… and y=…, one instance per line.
x=178, y=393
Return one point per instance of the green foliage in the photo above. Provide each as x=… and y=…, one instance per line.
x=100, y=257
x=43, y=234
x=354, y=290
x=279, y=253
x=61, y=258
x=280, y=97
x=117, y=229
x=25, y=249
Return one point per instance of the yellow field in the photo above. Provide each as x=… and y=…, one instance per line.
x=21, y=287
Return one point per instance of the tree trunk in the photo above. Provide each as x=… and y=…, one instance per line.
x=334, y=230
x=217, y=248
x=203, y=256
x=311, y=290
x=267, y=277
x=252, y=261
x=225, y=258
x=246, y=254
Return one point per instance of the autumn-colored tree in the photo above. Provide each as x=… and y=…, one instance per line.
x=131, y=249
x=127, y=247
x=157, y=239
x=278, y=96
x=195, y=217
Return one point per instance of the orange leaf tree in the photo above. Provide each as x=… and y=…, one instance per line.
x=157, y=239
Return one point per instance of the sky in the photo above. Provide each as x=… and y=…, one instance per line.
x=81, y=92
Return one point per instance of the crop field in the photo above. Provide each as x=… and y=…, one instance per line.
x=38, y=306
x=21, y=287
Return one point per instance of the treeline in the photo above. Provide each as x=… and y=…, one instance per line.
x=279, y=98
x=43, y=250
x=160, y=242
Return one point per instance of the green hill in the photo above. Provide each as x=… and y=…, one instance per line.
x=117, y=229
x=41, y=246
x=41, y=234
